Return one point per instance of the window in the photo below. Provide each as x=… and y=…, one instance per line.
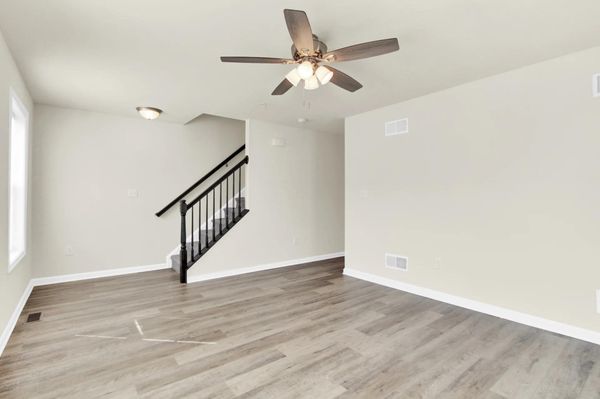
x=18, y=160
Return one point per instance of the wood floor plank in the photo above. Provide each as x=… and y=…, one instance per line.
x=570, y=372
x=304, y=331
x=524, y=376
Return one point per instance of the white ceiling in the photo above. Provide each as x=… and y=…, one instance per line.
x=113, y=55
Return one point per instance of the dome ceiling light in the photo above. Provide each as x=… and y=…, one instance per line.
x=149, y=113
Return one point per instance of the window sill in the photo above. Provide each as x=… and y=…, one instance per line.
x=14, y=263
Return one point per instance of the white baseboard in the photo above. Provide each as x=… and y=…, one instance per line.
x=35, y=282
x=508, y=314
x=12, y=322
x=259, y=268
x=65, y=278
x=138, y=269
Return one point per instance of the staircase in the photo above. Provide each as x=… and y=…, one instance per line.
x=209, y=216
x=210, y=236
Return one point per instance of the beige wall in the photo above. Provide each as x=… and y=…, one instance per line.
x=86, y=162
x=13, y=284
x=295, y=197
x=500, y=178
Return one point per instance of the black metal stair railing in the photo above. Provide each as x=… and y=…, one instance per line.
x=204, y=178
x=210, y=203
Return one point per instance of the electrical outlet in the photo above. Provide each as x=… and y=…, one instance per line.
x=437, y=263
x=132, y=193
x=69, y=251
x=294, y=241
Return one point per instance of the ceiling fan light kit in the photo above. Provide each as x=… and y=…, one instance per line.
x=293, y=77
x=306, y=70
x=323, y=74
x=308, y=53
x=311, y=83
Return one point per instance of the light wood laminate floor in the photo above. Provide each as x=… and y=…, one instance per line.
x=302, y=332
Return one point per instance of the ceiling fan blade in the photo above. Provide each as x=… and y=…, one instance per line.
x=344, y=81
x=258, y=60
x=282, y=88
x=363, y=50
x=300, y=31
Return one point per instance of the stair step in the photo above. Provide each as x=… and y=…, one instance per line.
x=201, y=248
x=223, y=221
x=233, y=211
x=230, y=213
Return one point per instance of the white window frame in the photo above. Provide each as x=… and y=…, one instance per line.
x=21, y=110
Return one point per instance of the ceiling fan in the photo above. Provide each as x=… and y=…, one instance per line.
x=309, y=53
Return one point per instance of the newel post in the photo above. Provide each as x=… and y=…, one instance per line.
x=183, y=251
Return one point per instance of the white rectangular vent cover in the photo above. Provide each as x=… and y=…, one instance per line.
x=596, y=85
x=396, y=262
x=393, y=128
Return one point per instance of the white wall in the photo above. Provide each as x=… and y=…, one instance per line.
x=295, y=197
x=500, y=178
x=12, y=285
x=85, y=163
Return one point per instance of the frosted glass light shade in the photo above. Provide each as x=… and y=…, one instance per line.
x=311, y=83
x=293, y=77
x=305, y=70
x=323, y=74
x=149, y=113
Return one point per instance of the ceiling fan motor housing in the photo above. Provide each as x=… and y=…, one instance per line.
x=319, y=46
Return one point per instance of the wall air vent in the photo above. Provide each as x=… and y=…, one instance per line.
x=393, y=128
x=396, y=262
x=596, y=85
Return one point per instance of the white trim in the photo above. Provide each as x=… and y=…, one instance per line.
x=40, y=281
x=276, y=265
x=12, y=322
x=21, y=109
x=508, y=314
x=98, y=274
x=35, y=282
x=14, y=263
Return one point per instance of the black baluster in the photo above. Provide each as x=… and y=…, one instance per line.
x=206, y=221
x=199, y=227
x=227, y=200
x=233, y=194
x=183, y=248
x=213, y=192
x=192, y=258
x=221, y=207
x=240, y=191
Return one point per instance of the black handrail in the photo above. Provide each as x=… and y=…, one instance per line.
x=199, y=182
x=216, y=184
